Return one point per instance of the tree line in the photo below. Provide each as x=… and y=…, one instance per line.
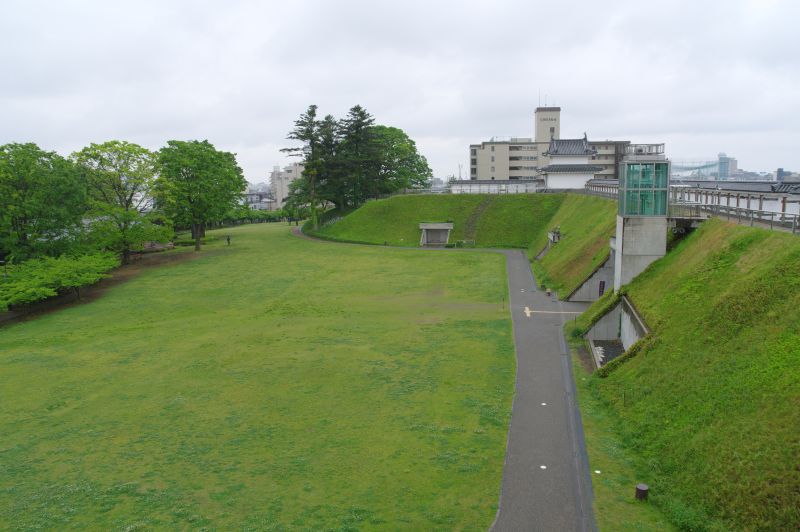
x=67, y=220
x=349, y=160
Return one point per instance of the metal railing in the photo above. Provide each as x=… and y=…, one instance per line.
x=756, y=218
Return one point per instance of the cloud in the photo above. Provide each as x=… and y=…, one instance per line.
x=703, y=77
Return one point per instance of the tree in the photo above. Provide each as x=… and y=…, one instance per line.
x=198, y=184
x=42, y=200
x=120, y=177
x=358, y=151
x=399, y=165
x=306, y=130
x=351, y=160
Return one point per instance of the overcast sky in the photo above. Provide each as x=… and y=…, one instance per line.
x=701, y=76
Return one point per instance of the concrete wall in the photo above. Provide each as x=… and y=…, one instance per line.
x=567, y=181
x=640, y=242
x=590, y=289
x=620, y=323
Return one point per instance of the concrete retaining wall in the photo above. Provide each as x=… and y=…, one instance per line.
x=620, y=323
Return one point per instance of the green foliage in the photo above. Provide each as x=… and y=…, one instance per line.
x=120, y=177
x=39, y=279
x=350, y=160
x=42, y=200
x=708, y=407
x=198, y=184
x=274, y=384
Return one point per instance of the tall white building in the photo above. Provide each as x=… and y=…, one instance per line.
x=280, y=180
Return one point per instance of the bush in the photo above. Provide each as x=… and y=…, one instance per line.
x=39, y=279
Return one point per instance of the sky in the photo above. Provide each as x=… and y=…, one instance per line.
x=701, y=76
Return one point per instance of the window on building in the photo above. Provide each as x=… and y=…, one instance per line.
x=492, y=148
x=492, y=158
x=492, y=168
x=474, y=151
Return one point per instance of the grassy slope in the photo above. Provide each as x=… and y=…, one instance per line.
x=508, y=220
x=612, y=467
x=276, y=383
x=711, y=410
x=586, y=224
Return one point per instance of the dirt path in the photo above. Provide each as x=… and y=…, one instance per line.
x=471, y=227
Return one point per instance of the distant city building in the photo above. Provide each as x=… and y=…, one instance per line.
x=259, y=197
x=522, y=158
x=727, y=167
x=280, y=180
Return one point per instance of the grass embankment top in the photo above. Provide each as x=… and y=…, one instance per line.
x=711, y=405
x=500, y=221
x=486, y=220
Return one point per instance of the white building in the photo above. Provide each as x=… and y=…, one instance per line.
x=570, y=164
x=280, y=180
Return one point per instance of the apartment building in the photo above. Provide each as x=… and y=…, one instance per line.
x=280, y=179
x=521, y=158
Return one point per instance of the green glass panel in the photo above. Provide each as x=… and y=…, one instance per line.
x=647, y=176
x=632, y=202
x=662, y=175
x=646, y=203
x=660, y=208
x=633, y=175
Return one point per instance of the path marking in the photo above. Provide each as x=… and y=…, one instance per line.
x=528, y=312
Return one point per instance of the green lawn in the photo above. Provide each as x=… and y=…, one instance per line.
x=274, y=384
x=501, y=221
x=510, y=220
x=708, y=412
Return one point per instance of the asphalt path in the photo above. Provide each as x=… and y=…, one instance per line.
x=546, y=484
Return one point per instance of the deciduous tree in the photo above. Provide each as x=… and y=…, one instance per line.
x=42, y=200
x=197, y=183
x=120, y=177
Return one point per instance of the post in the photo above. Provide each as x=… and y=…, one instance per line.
x=642, y=491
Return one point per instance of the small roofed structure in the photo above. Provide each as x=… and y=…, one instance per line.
x=435, y=234
x=570, y=166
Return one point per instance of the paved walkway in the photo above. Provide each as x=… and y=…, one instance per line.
x=546, y=484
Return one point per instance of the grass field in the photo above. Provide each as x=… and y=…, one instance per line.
x=273, y=384
x=503, y=221
x=708, y=413
x=509, y=220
